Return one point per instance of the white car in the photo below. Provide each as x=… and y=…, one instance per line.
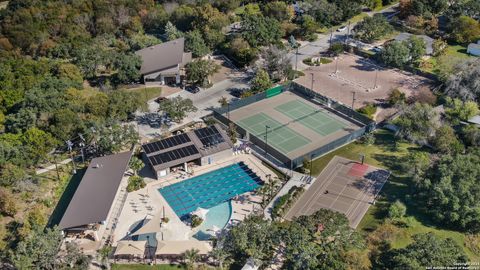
x=342, y=28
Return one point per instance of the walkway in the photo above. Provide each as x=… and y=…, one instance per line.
x=52, y=167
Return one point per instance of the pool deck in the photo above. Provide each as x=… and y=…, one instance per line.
x=139, y=202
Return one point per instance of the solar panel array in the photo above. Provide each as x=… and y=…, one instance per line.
x=175, y=154
x=166, y=143
x=209, y=136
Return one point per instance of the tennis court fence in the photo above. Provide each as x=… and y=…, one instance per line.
x=367, y=125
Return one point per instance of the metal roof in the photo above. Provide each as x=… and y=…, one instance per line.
x=428, y=40
x=96, y=192
x=168, y=55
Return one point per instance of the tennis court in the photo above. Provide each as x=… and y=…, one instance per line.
x=280, y=136
x=314, y=119
x=345, y=186
x=295, y=126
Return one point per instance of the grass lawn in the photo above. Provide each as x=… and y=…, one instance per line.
x=453, y=55
x=385, y=153
x=146, y=94
x=146, y=267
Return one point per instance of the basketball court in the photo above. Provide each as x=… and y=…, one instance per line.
x=345, y=186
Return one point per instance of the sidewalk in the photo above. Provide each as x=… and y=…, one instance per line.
x=52, y=167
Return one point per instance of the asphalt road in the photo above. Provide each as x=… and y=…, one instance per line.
x=323, y=42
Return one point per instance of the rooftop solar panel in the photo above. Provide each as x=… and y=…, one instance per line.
x=166, y=143
x=174, y=155
x=209, y=136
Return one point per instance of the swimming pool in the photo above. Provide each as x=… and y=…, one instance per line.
x=217, y=216
x=210, y=189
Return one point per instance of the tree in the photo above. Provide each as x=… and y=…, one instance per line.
x=39, y=250
x=417, y=49
x=172, y=32
x=426, y=249
x=471, y=135
x=260, y=82
x=136, y=164
x=127, y=68
x=439, y=46
x=135, y=183
x=465, y=83
x=465, y=30
x=8, y=204
x=397, y=210
x=448, y=191
x=308, y=27
x=115, y=138
x=278, y=10
x=445, y=140
x=418, y=122
x=103, y=254
x=177, y=108
x=37, y=144
x=424, y=95
x=372, y=28
x=417, y=163
x=194, y=43
x=336, y=48
x=198, y=71
x=276, y=62
x=395, y=54
x=261, y=31
x=457, y=110
x=11, y=173
x=239, y=49
x=223, y=101
x=191, y=256
x=396, y=97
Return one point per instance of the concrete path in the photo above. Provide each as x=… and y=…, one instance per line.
x=52, y=167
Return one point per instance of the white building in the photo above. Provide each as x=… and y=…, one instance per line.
x=474, y=48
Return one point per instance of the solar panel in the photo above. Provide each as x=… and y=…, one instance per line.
x=166, y=143
x=209, y=136
x=174, y=155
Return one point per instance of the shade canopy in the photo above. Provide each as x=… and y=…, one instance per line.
x=128, y=247
x=179, y=247
x=152, y=226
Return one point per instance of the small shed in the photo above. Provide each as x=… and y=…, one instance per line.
x=474, y=48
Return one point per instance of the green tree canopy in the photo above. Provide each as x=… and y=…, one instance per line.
x=465, y=82
x=198, y=71
x=426, y=250
x=261, y=81
x=177, y=108
x=194, y=43
x=418, y=122
x=465, y=30
x=260, y=31
x=373, y=28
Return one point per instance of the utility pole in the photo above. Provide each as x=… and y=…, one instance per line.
x=266, y=139
x=331, y=36
x=376, y=77
x=228, y=111
x=312, y=81
x=69, y=146
x=353, y=100
x=348, y=32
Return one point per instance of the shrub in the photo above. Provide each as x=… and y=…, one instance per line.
x=369, y=110
x=135, y=183
x=196, y=221
x=397, y=210
x=396, y=96
x=7, y=203
x=165, y=220
x=337, y=48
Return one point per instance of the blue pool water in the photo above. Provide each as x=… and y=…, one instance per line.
x=210, y=189
x=217, y=216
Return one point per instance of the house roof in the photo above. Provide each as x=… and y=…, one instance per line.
x=475, y=120
x=163, y=56
x=96, y=192
x=428, y=40
x=186, y=147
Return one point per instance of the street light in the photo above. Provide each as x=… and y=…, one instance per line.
x=266, y=139
x=312, y=80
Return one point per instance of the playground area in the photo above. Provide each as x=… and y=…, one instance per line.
x=345, y=186
x=371, y=83
x=291, y=124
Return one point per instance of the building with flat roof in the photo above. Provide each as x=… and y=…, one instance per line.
x=201, y=146
x=163, y=63
x=91, y=207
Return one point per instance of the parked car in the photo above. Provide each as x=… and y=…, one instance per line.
x=377, y=49
x=342, y=28
x=237, y=92
x=193, y=89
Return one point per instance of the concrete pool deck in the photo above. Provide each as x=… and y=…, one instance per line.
x=146, y=202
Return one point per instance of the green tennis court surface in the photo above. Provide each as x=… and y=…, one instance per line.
x=280, y=137
x=316, y=120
